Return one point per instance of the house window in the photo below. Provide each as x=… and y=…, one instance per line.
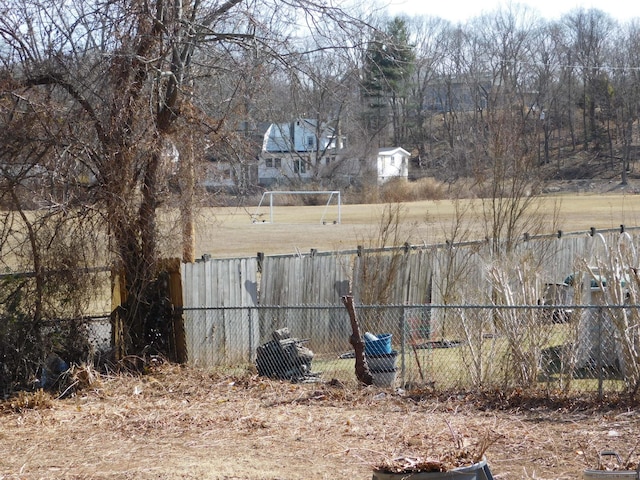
x=328, y=160
x=299, y=166
x=277, y=162
x=268, y=162
x=393, y=160
x=310, y=141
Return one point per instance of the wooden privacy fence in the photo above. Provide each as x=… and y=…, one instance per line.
x=409, y=275
x=217, y=336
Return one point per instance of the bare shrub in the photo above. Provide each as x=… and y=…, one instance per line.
x=41, y=310
x=377, y=278
x=368, y=194
x=286, y=200
x=313, y=200
x=396, y=190
x=479, y=355
x=615, y=280
x=377, y=269
x=21, y=339
x=428, y=188
x=460, y=282
x=518, y=282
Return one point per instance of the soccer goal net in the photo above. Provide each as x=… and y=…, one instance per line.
x=331, y=213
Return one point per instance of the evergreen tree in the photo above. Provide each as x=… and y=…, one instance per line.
x=388, y=65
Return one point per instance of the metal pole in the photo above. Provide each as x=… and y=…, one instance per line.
x=599, y=354
x=271, y=207
x=252, y=347
x=403, y=349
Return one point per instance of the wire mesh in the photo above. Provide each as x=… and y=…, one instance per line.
x=557, y=347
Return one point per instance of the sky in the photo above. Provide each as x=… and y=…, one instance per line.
x=462, y=10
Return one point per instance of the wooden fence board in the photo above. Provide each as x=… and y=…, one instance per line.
x=217, y=337
x=438, y=275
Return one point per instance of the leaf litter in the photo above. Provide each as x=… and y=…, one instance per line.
x=183, y=422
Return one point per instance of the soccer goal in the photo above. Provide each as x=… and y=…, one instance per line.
x=333, y=205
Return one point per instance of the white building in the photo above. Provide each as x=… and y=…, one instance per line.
x=300, y=150
x=392, y=163
x=305, y=150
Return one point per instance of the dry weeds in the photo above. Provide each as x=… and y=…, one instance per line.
x=179, y=422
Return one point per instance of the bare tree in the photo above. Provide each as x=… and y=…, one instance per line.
x=124, y=71
x=589, y=32
x=625, y=80
x=47, y=239
x=508, y=177
x=431, y=36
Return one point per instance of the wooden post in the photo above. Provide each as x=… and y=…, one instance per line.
x=179, y=341
x=362, y=368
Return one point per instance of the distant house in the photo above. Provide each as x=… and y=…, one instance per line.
x=300, y=150
x=392, y=163
x=222, y=174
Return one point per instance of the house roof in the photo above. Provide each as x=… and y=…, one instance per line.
x=291, y=136
x=393, y=150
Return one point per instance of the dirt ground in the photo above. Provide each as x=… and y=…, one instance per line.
x=182, y=423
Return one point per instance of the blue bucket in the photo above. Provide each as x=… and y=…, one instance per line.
x=381, y=346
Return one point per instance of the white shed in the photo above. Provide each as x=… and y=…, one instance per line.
x=392, y=163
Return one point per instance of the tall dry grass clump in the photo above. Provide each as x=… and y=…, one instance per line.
x=36, y=400
x=400, y=190
x=514, y=283
x=614, y=275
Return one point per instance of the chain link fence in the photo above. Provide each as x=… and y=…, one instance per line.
x=34, y=354
x=78, y=340
x=559, y=348
x=590, y=348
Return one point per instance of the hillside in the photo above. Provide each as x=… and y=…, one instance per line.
x=572, y=173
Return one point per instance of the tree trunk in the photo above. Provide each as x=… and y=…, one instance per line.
x=187, y=178
x=362, y=368
x=136, y=240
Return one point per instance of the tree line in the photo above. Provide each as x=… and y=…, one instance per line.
x=462, y=96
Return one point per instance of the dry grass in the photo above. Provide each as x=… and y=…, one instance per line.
x=37, y=400
x=398, y=190
x=182, y=423
x=229, y=232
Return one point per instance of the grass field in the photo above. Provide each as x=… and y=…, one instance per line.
x=230, y=232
